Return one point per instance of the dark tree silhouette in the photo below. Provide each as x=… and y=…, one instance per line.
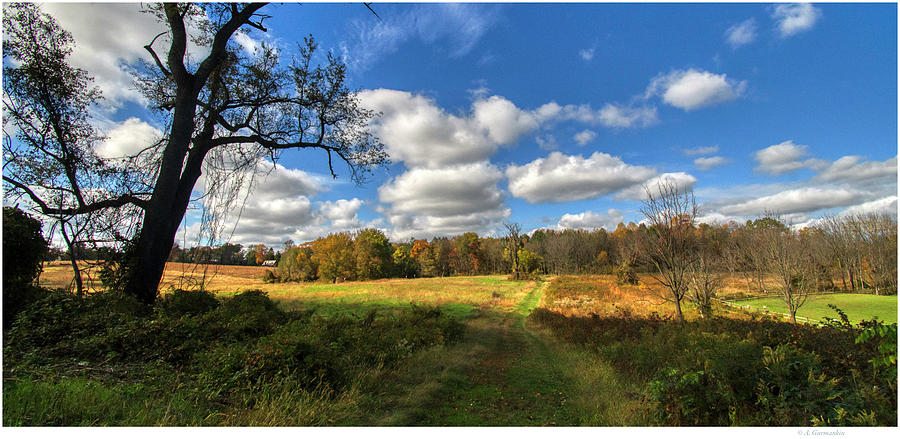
x=223, y=114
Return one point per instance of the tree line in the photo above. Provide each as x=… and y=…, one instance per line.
x=852, y=253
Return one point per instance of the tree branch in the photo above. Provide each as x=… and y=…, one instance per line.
x=117, y=202
x=159, y=63
x=178, y=47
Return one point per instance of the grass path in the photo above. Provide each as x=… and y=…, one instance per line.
x=511, y=380
x=505, y=373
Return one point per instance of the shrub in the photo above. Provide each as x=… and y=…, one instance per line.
x=269, y=277
x=690, y=398
x=187, y=302
x=791, y=388
x=246, y=315
x=23, y=250
x=322, y=351
x=61, y=324
x=625, y=274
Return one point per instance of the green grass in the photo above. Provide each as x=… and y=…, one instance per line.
x=857, y=306
x=354, y=305
x=507, y=368
x=80, y=401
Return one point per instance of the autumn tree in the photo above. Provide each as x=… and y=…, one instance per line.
x=405, y=265
x=465, y=255
x=373, y=254
x=513, y=243
x=875, y=238
x=529, y=261
x=260, y=253
x=333, y=255
x=670, y=247
x=705, y=274
x=755, y=248
x=839, y=241
x=443, y=255
x=295, y=264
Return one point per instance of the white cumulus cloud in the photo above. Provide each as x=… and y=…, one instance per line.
x=886, y=205
x=128, y=138
x=785, y=157
x=584, y=137
x=683, y=182
x=701, y=150
x=425, y=202
x=586, y=54
x=560, y=177
x=707, y=163
x=590, y=220
x=850, y=169
x=617, y=116
x=796, y=201
x=794, y=18
x=416, y=131
x=741, y=33
x=692, y=89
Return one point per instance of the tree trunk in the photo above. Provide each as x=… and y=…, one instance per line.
x=843, y=276
x=70, y=244
x=167, y=206
x=679, y=316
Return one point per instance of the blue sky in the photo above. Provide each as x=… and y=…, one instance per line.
x=555, y=115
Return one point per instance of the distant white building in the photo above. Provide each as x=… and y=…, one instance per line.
x=269, y=263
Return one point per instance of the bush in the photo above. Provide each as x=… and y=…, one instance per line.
x=61, y=324
x=269, y=277
x=24, y=247
x=748, y=372
x=187, y=302
x=690, y=398
x=320, y=351
x=625, y=274
x=791, y=388
x=246, y=315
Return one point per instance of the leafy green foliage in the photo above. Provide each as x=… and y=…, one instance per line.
x=373, y=253
x=885, y=337
x=689, y=398
x=741, y=372
x=249, y=314
x=24, y=247
x=187, y=302
x=197, y=354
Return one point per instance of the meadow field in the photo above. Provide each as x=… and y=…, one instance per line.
x=466, y=350
x=857, y=306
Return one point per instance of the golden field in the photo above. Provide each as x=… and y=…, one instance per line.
x=469, y=291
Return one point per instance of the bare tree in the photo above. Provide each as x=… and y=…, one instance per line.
x=788, y=261
x=839, y=241
x=670, y=212
x=705, y=274
x=875, y=236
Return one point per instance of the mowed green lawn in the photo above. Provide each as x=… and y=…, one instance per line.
x=857, y=306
